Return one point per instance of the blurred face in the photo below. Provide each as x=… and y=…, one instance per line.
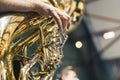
x=70, y=76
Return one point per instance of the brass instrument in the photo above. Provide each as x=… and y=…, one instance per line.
x=21, y=32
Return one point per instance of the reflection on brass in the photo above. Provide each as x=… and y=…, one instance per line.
x=21, y=32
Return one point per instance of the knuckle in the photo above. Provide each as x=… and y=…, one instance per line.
x=51, y=11
x=68, y=17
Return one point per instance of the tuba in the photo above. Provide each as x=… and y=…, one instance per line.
x=34, y=42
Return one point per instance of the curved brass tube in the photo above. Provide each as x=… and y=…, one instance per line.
x=20, y=32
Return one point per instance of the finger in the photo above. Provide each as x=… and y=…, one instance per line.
x=64, y=18
x=65, y=21
x=63, y=13
x=68, y=17
x=68, y=26
x=57, y=19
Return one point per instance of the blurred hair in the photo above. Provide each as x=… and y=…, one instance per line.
x=65, y=71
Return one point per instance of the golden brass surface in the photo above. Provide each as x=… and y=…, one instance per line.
x=21, y=32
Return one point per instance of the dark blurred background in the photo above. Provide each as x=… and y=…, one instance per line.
x=93, y=48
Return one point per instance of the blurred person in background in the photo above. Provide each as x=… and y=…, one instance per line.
x=68, y=73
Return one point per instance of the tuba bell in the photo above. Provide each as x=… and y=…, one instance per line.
x=34, y=42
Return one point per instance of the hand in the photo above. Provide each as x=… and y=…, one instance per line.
x=61, y=18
